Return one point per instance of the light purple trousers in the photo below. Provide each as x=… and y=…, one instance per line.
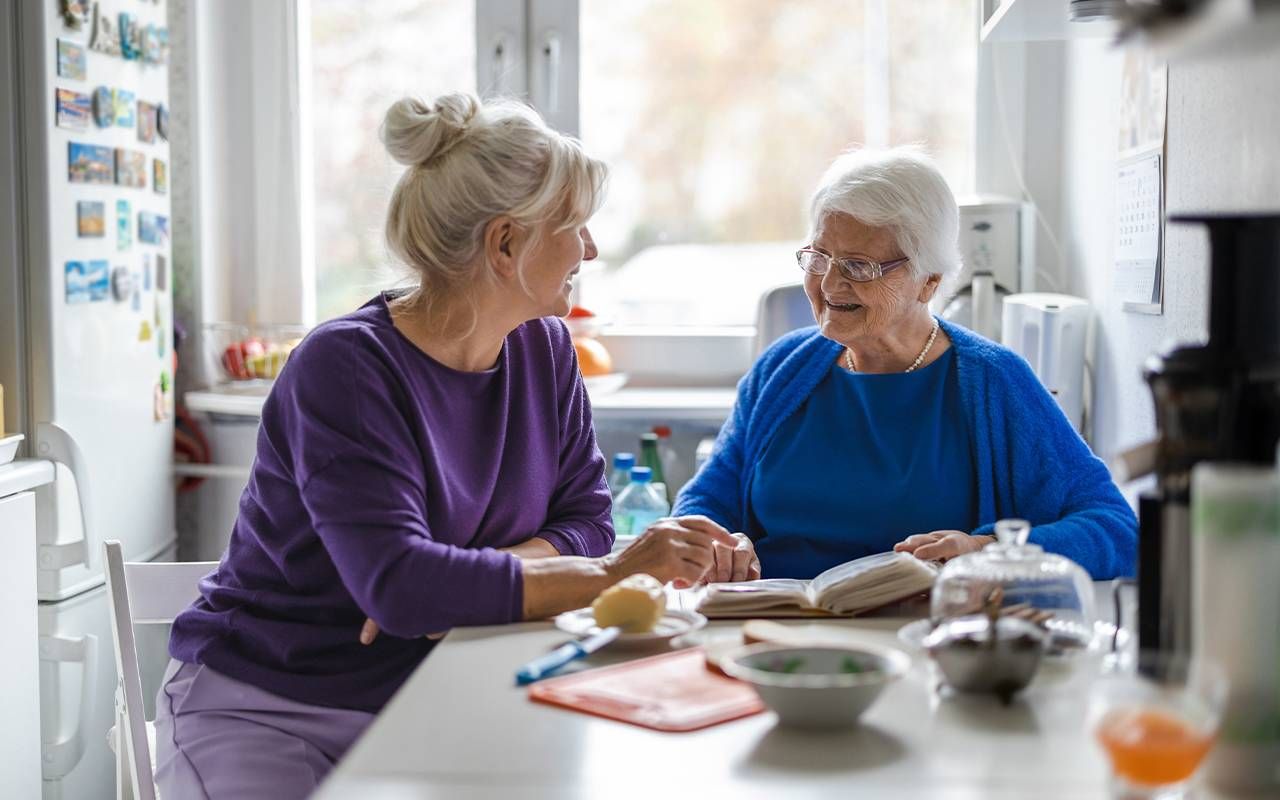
x=219, y=738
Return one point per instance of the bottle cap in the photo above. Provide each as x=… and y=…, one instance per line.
x=641, y=474
x=624, y=460
x=662, y=431
x=645, y=438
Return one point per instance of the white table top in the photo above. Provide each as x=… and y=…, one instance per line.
x=461, y=728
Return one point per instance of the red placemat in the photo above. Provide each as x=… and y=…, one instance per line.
x=669, y=692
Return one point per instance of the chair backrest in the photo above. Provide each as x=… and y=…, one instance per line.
x=782, y=309
x=157, y=593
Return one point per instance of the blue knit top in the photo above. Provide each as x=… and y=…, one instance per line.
x=1027, y=459
x=867, y=460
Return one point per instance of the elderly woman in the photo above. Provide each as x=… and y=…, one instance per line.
x=427, y=461
x=885, y=428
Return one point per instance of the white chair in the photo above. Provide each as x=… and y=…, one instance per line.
x=782, y=309
x=141, y=593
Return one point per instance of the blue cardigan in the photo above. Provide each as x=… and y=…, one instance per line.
x=1031, y=463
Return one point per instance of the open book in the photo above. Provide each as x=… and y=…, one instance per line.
x=843, y=590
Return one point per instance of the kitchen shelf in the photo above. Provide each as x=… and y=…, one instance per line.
x=1040, y=20
x=691, y=405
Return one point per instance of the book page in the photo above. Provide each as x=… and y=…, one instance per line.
x=755, y=595
x=872, y=582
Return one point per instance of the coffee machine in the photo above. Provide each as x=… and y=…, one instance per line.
x=1219, y=401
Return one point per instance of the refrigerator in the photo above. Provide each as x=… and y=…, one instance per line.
x=89, y=379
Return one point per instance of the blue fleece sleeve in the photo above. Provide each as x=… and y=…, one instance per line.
x=1065, y=491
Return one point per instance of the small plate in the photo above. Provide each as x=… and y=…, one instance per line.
x=912, y=634
x=674, y=622
x=604, y=384
x=9, y=446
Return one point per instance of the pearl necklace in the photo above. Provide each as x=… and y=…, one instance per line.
x=848, y=354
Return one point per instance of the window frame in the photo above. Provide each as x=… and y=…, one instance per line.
x=525, y=29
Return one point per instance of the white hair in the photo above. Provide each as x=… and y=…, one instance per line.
x=468, y=163
x=900, y=189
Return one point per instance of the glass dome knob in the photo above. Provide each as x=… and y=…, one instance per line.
x=1013, y=532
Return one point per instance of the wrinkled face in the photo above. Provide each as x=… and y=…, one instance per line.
x=851, y=311
x=551, y=266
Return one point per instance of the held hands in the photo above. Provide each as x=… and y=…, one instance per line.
x=679, y=550
x=942, y=545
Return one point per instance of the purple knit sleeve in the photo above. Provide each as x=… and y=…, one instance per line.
x=579, y=517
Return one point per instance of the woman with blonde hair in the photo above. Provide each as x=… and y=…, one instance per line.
x=425, y=462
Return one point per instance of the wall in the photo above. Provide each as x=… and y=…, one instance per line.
x=1222, y=154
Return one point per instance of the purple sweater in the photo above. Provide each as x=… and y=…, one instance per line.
x=383, y=483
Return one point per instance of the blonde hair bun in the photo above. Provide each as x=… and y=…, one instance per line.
x=416, y=133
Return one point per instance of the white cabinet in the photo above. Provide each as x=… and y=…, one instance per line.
x=20, y=668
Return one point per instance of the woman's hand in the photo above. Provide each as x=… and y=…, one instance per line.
x=677, y=550
x=737, y=563
x=942, y=545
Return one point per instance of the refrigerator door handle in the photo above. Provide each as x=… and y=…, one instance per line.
x=55, y=444
x=59, y=757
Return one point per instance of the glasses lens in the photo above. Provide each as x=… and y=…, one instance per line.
x=857, y=269
x=812, y=262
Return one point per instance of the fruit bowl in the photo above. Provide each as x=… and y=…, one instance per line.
x=248, y=353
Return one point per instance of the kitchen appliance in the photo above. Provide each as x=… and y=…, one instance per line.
x=997, y=251
x=1050, y=331
x=89, y=378
x=1218, y=401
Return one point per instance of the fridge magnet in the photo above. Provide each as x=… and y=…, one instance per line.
x=131, y=168
x=71, y=60
x=136, y=302
x=104, y=38
x=99, y=280
x=77, y=273
x=75, y=14
x=159, y=341
x=104, y=107
x=90, y=219
x=121, y=284
x=146, y=122
x=87, y=281
x=160, y=176
x=147, y=233
x=162, y=270
x=124, y=108
x=89, y=163
x=130, y=37
x=157, y=403
x=73, y=109
x=162, y=121
x=144, y=332
x=146, y=272
x=155, y=45
x=124, y=231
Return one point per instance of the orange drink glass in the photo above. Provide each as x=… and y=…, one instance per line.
x=1156, y=717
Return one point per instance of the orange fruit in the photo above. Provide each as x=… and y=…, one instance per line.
x=593, y=359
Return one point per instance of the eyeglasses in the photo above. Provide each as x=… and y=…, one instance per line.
x=855, y=268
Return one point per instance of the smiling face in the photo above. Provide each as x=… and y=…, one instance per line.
x=851, y=311
x=551, y=266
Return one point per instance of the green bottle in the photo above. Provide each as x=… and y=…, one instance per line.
x=649, y=457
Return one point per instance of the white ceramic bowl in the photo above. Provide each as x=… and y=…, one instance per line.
x=820, y=686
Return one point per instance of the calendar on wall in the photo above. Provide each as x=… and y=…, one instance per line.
x=1138, y=278
x=1139, y=228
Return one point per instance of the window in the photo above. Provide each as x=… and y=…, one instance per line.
x=716, y=117
x=364, y=57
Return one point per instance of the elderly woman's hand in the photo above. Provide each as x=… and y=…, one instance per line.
x=942, y=545
x=737, y=563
